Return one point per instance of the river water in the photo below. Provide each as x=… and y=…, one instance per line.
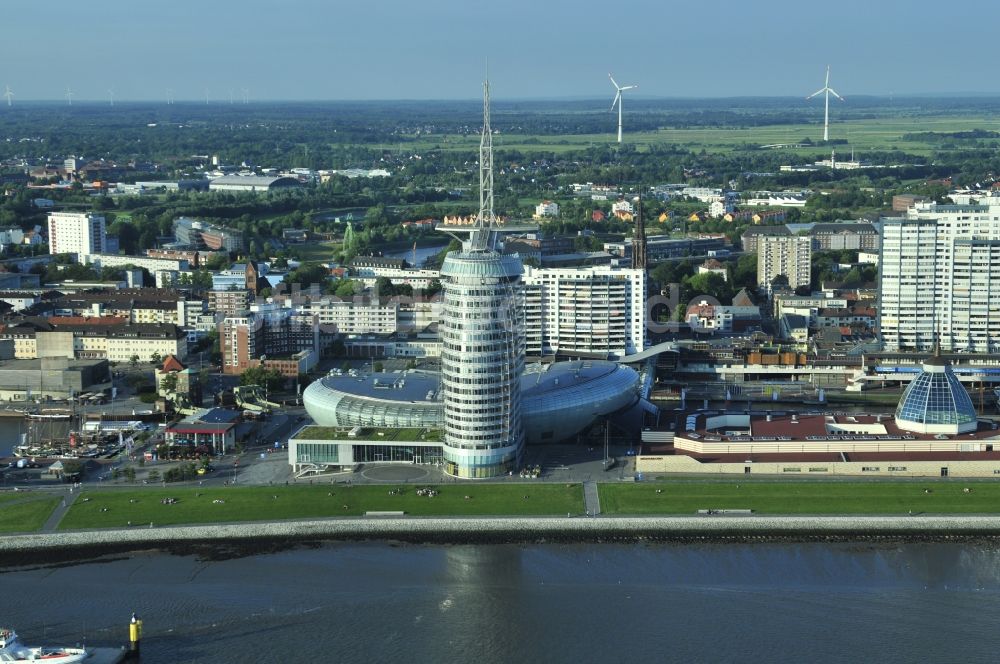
x=379, y=602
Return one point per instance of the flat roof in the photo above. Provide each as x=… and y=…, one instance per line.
x=381, y=434
x=35, y=364
x=214, y=416
x=828, y=457
x=200, y=427
x=818, y=427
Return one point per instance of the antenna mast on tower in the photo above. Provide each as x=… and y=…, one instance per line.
x=484, y=236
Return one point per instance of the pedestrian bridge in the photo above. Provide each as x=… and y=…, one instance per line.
x=652, y=351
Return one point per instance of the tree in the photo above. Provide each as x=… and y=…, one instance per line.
x=711, y=283
x=378, y=367
x=134, y=361
x=384, y=287
x=779, y=281
x=258, y=375
x=745, y=272
x=345, y=289
x=169, y=383
x=155, y=358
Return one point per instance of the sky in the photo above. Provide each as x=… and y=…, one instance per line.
x=536, y=49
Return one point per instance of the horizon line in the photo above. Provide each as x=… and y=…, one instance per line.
x=567, y=98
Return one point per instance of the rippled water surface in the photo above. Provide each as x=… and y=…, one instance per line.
x=556, y=603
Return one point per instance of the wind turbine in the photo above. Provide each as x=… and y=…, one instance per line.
x=170, y=96
x=9, y=95
x=111, y=96
x=69, y=96
x=618, y=100
x=826, y=91
x=246, y=95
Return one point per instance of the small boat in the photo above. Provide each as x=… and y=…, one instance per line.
x=11, y=650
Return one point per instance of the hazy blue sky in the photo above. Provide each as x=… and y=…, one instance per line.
x=436, y=49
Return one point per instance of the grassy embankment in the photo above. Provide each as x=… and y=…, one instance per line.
x=813, y=497
x=25, y=511
x=196, y=505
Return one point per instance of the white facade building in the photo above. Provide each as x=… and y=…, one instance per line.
x=11, y=235
x=597, y=309
x=787, y=255
x=621, y=207
x=154, y=265
x=80, y=233
x=703, y=194
x=357, y=316
x=939, y=278
x=546, y=209
x=416, y=278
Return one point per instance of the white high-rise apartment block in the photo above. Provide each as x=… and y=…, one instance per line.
x=80, y=233
x=787, y=255
x=939, y=279
x=599, y=309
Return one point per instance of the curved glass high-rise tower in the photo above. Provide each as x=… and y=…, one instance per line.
x=482, y=358
x=482, y=335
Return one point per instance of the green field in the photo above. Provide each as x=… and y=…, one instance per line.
x=317, y=252
x=25, y=511
x=764, y=497
x=301, y=502
x=871, y=134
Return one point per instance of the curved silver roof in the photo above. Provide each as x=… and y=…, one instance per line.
x=558, y=400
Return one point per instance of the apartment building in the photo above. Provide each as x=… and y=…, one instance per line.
x=790, y=256
x=599, y=310
x=80, y=233
x=939, y=270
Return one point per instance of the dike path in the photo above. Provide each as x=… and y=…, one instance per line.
x=462, y=530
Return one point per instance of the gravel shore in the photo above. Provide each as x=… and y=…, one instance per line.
x=500, y=529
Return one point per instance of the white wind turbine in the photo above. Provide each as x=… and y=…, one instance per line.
x=9, y=95
x=111, y=96
x=69, y=96
x=618, y=100
x=246, y=95
x=170, y=96
x=826, y=91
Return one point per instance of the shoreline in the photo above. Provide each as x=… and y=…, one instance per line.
x=260, y=537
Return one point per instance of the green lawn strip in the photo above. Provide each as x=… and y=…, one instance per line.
x=196, y=505
x=684, y=497
x=25, y=513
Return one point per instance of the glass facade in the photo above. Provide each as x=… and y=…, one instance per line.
x=317, y=453
x=482, y=359
x=936, y=402
x=406, y=453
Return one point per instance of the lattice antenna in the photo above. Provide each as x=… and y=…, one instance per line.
x=483, y=237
